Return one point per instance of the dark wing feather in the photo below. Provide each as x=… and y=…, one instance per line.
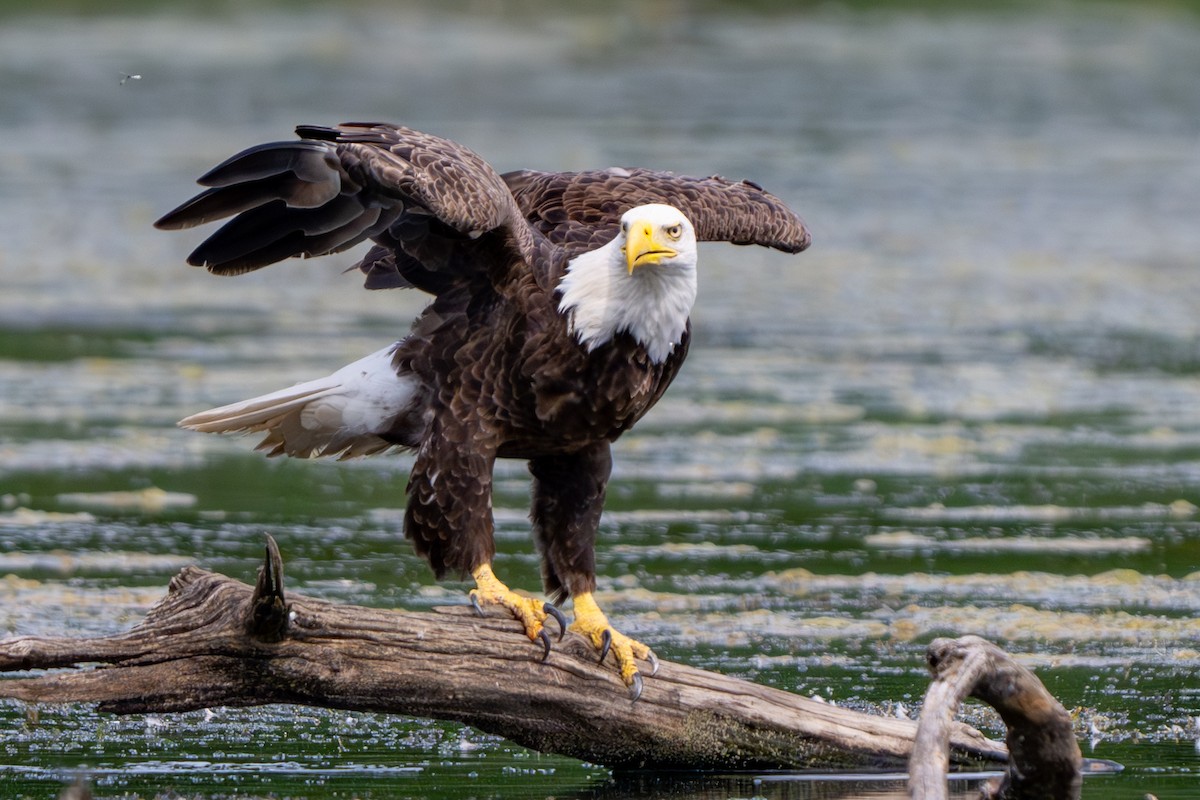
x=274, y=231
x=380, y=270
x=581, y=210
x=337, y=186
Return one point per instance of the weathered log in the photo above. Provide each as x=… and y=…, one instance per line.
x=215, y=641
x=1044, y=758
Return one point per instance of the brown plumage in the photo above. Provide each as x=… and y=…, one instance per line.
x=519, y=354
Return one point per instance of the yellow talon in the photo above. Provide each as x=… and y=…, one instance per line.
x=591, y=622
x=529, y=611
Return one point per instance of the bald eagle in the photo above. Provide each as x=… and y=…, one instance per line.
x=559, y=315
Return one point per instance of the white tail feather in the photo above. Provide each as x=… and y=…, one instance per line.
x=257, y=413
x=348, y=413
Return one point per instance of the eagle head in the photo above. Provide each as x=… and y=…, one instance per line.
x=656, y=234
x=643, y=283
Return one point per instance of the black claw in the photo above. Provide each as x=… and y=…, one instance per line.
x=475, y=604
x=653, y=659
x=635, y=688
x=605, y=644
x=545, y=637
x=558, y=615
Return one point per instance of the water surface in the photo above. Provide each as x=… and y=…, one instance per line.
x=970, y=408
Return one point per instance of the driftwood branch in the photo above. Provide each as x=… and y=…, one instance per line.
x=1044, y=758
x=214, y=641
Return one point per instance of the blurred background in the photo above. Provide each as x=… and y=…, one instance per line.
x=971, y=407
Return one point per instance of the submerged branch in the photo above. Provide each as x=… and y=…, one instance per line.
x=1044, y=758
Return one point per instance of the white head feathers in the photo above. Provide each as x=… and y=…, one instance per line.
x=643, y=282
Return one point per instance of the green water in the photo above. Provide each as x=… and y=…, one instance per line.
x=970, y=408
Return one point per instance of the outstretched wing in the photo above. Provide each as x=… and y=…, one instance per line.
x=336, y=187
x=581, y=210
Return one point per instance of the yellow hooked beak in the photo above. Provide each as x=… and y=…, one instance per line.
x=646, y=243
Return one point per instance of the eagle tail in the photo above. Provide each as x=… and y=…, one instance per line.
x=361, y=409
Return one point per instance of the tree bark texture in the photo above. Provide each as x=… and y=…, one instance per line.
x=214, y=641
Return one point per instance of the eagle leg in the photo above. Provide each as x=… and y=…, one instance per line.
x=591, y=623
x=529, y=611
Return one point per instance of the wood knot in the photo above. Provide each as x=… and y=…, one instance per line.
x=269, y=611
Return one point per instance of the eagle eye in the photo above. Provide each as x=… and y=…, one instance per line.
x=675, y=231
